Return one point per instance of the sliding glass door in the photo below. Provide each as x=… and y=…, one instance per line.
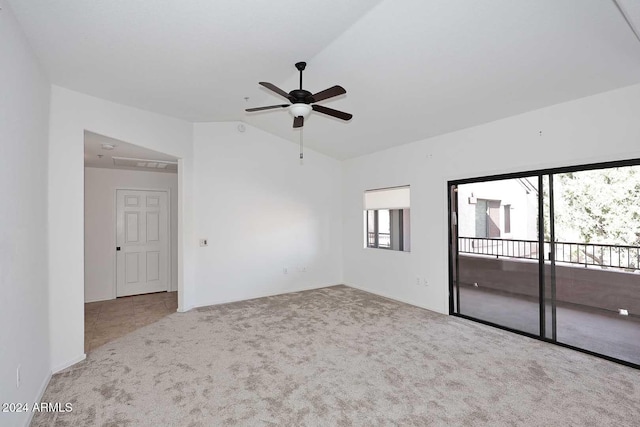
x=497, y=224
x=552, y=254
x=597, y=254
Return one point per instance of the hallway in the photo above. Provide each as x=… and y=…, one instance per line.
x=107, y=320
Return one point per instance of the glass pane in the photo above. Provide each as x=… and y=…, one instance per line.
x=384, y=229
x=597, y=250
x=371, y=228
x=498, y=261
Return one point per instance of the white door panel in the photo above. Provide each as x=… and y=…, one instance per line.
x=142, y=240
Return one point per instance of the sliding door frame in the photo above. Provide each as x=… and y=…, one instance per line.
x=454, y=303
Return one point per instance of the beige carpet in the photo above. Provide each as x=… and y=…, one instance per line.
x=338, y=356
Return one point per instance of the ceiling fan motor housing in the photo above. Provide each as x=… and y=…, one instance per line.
x=300, y=110
x=301, y=95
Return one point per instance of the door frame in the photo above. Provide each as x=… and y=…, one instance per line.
x=114, y=291
x=454, y=303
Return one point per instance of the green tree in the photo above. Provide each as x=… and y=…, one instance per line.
x=601, y=206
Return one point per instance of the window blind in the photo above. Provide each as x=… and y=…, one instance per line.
x=387, y=198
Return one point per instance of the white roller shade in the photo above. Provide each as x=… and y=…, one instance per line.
x=388, y=198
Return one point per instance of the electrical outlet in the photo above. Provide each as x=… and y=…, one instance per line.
x=475, y=284
x=204, y=242
x=18, y=376
x=426, y=283
x=623, y=311
x=417, y=281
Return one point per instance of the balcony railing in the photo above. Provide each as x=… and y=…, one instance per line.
x=384, y=240
x=617, y=256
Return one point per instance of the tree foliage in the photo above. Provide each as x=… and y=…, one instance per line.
x=599, y=206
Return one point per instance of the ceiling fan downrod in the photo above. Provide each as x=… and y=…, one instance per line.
x=301, y=66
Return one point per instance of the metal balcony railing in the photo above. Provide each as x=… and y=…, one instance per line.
x=617, y=256
x=384, y=240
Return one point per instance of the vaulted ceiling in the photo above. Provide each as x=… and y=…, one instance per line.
x=412, y=68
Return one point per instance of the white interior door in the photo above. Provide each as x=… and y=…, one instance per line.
x=142, y=242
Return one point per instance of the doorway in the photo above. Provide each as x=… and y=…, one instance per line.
x=131, y=238
x=563, y=262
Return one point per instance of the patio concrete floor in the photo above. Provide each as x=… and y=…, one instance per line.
x=588, y=328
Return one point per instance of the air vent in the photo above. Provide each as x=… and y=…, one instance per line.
x=146, y=164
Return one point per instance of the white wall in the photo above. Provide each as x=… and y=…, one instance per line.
x=100, y=224
x=24, y=116
x=603, y=127
x=262, y=211
x=71, y=114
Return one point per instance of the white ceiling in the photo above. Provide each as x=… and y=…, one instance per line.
x=412, y=68
x=147, y=159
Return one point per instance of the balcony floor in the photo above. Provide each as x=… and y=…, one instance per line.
x=588, y=328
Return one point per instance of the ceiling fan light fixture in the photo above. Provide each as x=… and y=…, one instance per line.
x=300, y=110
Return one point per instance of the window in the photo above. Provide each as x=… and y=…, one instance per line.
x=387, y=219
x=507, y=218
x=487, y=218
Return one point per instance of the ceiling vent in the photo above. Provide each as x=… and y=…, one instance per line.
x=146, y=164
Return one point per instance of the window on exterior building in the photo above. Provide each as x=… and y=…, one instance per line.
x=487, y=218
x=507, y=218
x=387, y=214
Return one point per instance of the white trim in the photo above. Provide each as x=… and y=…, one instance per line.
x=272, y=294
x=115, y=236
x=69, y=363
x=167, y=162
x=95, y=300
x=404, y=301
x=180, y=232
x=39, y=395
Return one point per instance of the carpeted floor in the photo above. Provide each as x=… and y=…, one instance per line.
x=337, y=356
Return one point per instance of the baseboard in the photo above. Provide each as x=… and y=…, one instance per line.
x=272, y=294
x=98, y=300
x=381, y=294
x=38, y=398
x=69, y=363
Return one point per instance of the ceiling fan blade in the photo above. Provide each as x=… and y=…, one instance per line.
x=266, y=108
x=331, y=112
x=298, y=122
x=328, y=93
x=276, y=89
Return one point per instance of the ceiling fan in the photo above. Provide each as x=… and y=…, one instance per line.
x=302, y=101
